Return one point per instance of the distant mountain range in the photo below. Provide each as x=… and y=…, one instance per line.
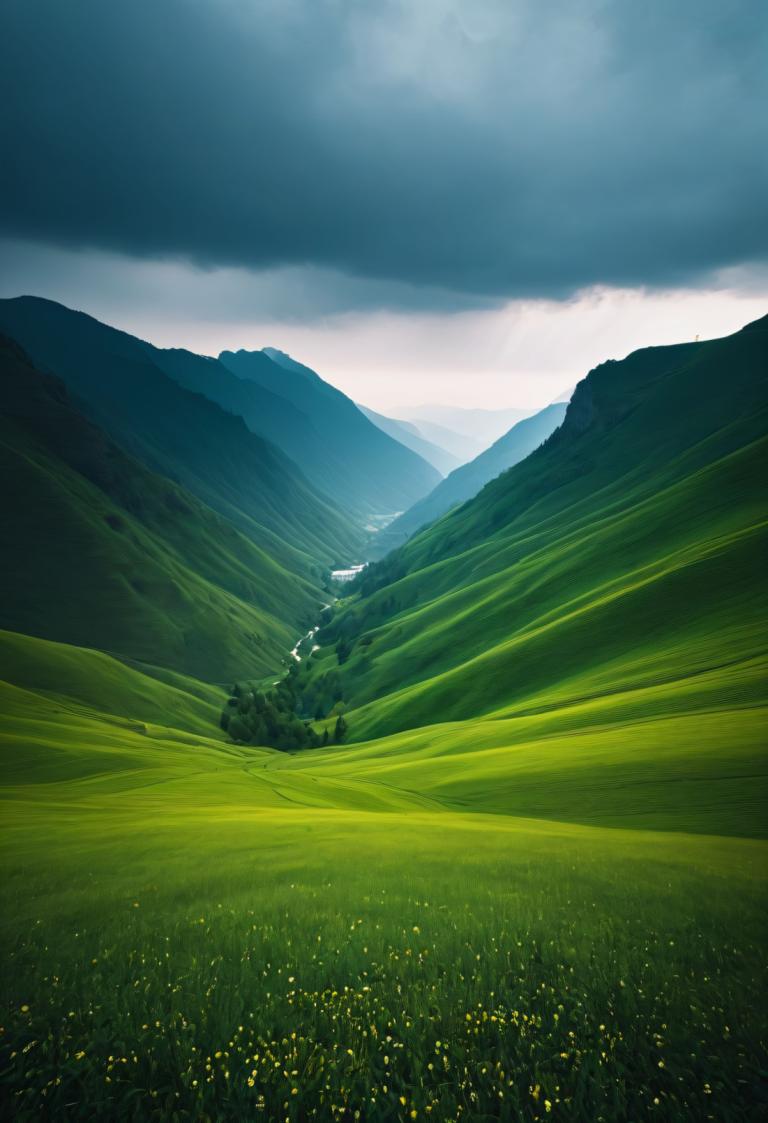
x=464, y=432
x=408, y=434
x=340, y=451
x=468, y=479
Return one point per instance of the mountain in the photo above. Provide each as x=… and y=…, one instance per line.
x=471, y=429
x=407, y=434
x=339, y=449
x=184, y=435
x=100, y=552
x=468, y=479
x=586, y=637
x=461, y=445
x=267, y=414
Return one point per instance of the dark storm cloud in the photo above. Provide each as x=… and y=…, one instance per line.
x=476, y=147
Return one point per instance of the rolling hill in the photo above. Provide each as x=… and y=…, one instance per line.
x=465, y=481
x=345, y=454
x=600, y=608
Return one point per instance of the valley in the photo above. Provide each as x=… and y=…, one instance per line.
x=507, y=858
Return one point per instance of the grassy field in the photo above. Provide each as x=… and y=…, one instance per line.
x=199, y=931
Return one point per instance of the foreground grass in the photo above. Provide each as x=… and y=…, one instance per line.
x=214, y=962
x=196, y=931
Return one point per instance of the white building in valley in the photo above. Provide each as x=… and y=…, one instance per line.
x=347, y=574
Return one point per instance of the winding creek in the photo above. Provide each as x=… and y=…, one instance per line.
x=295, y=652
x=343, y=576
x=305, y=639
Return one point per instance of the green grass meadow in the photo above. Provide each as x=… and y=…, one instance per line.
x=200, y=931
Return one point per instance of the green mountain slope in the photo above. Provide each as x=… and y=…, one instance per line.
x=466, y=480
x=407, y=434
x=606, y=591
x=183, y=435
x=269, y=415
x=348, y=456
x=100, y=552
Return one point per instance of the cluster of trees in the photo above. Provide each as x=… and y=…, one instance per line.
x=253, y=717
x=378, y=574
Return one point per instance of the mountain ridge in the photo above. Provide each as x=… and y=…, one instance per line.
x=181, y=433
x=357, y=462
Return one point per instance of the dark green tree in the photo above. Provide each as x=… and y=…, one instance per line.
x=238, y=730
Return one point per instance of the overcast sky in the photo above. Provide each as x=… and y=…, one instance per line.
x=461, y=200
